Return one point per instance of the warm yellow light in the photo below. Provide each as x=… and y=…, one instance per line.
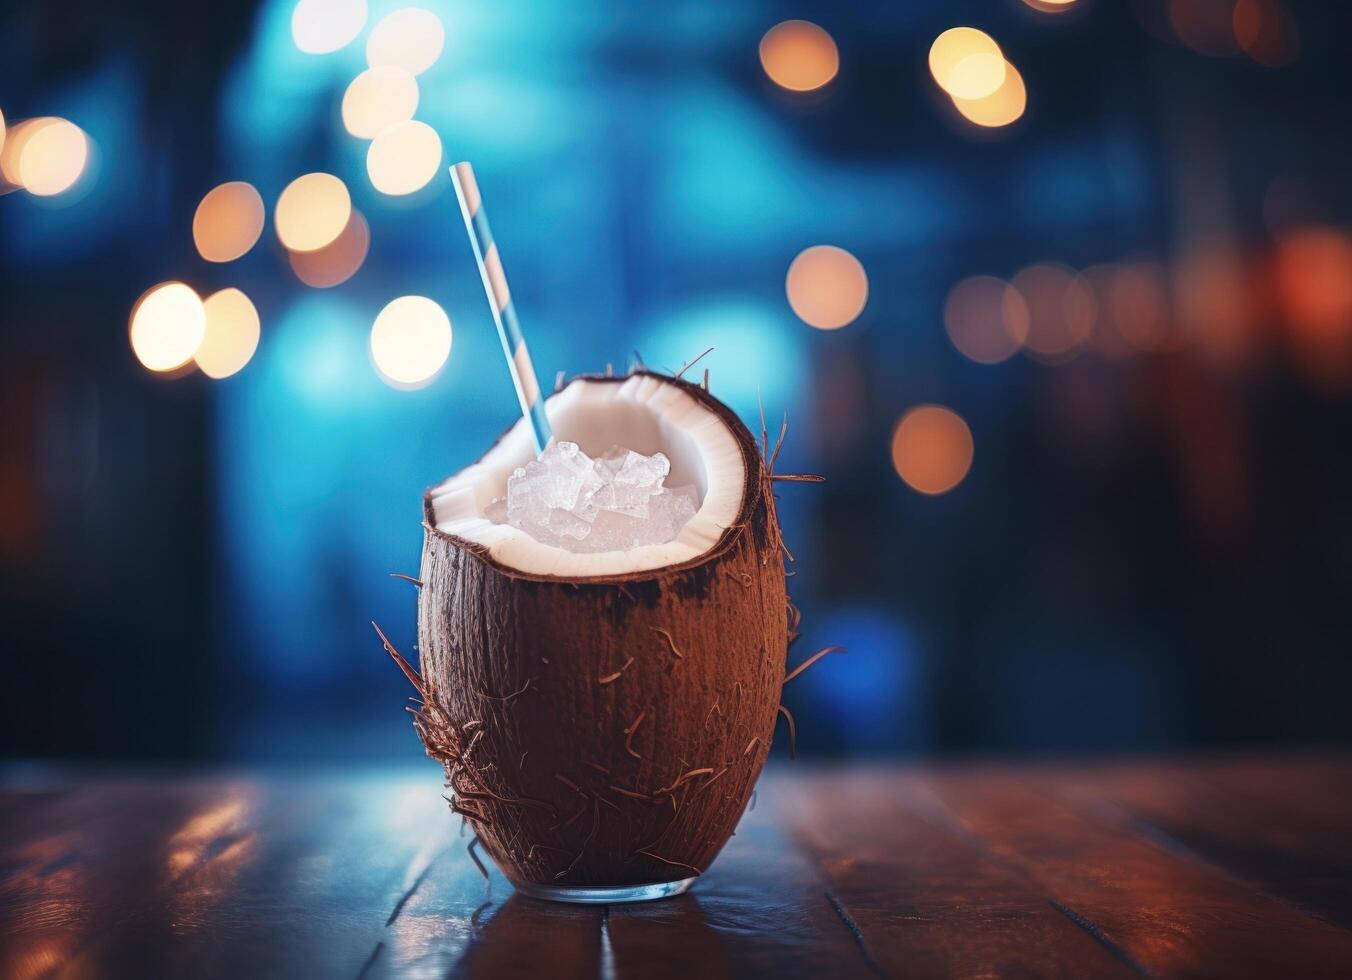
x=799, y=56
x=410, y=39
x=1002, y=107
x=967, y=63
x=321, y=26
x=228, y=221
x=167, y=326
x=404, y=157
x=1051, y=6
x=1061, y=309
x=312, y=211
x=379, y=98
x=12, y=150
x=827, y=287
x=50, y=156
x=932, y=449
x=986, y=319
x=231, y=334
x=410, y=341
x=336, y=262
x=2, y=131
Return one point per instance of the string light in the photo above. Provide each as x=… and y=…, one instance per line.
x=231, y=334
x=827, y=287
x=932, y=449
x=228, y=221
x=411, y=39
x=312, y=211
x=799, y=56
x=168, y=323
x=410, y=342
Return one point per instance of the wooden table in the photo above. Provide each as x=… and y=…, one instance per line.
x=1224, y=868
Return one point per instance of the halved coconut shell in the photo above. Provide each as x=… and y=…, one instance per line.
x=603, y=718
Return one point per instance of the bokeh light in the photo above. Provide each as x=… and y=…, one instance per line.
x=1132, y=301
x=1001, y=107
x=321, y=26
x=2, y=131
x=312, y=211
x=1314, y=281
x=827, y=287
x=986, y=319
x=231, y=335
x=379, y=98
x=168, y=323
x=15, y=138
x=1266, y=31
x=228, y=221
x=411, y=39
x=336, y=262
x=799, y=56
x=1061, y=309
x=967, y=63
x=404, y=157
x=410, y=341
x=1051, y=6
x=932, y=449
x=45, y=155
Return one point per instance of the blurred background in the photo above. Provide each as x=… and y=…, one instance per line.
x=1059, y=302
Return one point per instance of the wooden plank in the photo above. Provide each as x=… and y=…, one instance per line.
x=1304, y=858
x=229, y=878
x=1172, y=915
x=929, y=903
x=72, y=863
x=457, y=924
x=759, y=910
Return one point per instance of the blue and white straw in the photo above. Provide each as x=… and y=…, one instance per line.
x=500, y=299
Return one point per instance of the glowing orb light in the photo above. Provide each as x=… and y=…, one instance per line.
x=168, y=323
x=312, y=211
x=321, y=26
x=827, y=287
x=379, y=98
x=411, y=39
x=404, y=158
x=410, y=341
x=1061, y=309
x=228, y=221
x=967, y=63
x=2, y=131
x=932, y=449
x=1001, y=107
x=799, y=56
x=46, y=156
x=986, y=319
x=336, y=262
x=231, y=334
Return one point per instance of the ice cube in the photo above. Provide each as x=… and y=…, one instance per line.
x=613, y=503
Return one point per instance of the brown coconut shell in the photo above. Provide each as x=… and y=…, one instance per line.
x=606, y=730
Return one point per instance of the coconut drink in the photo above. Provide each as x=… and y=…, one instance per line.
x=602, y=626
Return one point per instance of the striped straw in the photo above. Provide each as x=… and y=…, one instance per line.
x=500, y=299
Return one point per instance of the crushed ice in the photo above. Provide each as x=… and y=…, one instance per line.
x=613, y=503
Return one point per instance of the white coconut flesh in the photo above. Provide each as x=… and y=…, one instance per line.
x=641, y=413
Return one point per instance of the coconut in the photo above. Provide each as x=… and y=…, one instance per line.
x=603, y=718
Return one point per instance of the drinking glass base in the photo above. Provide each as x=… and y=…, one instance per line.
x=605, y=894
